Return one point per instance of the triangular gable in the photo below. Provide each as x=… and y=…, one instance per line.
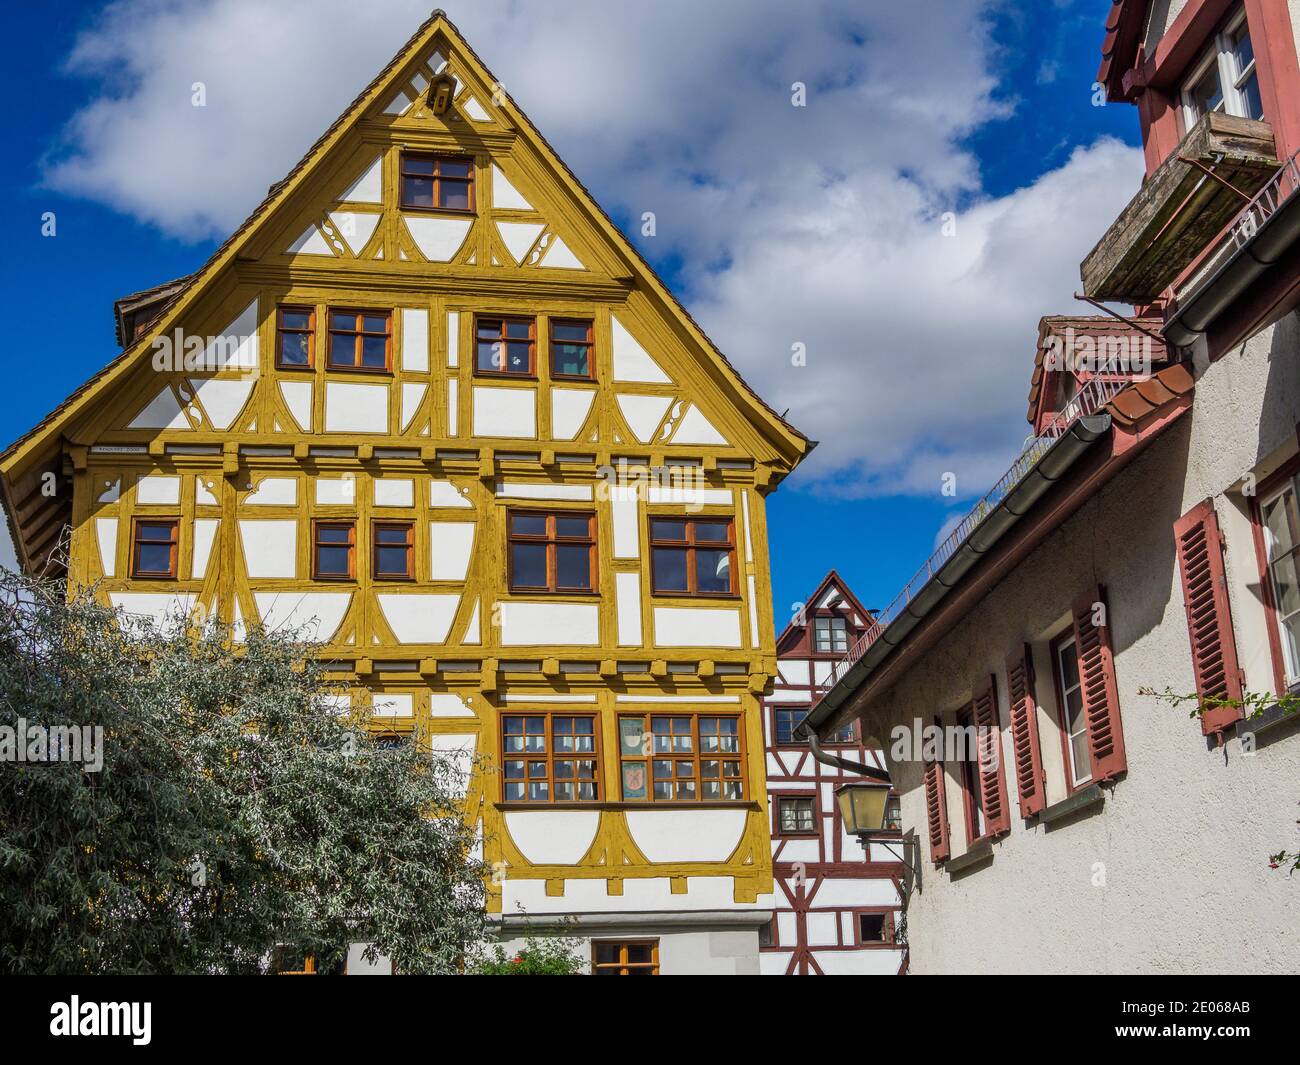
x=831, y=587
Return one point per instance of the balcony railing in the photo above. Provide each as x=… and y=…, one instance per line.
x=1246, y=223
x=1090, y=399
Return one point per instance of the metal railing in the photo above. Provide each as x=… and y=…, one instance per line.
x=1246, y=223
x=1094, y=395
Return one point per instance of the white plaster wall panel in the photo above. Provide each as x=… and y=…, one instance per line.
x=448, y=704
x=800, y=850
x=581, y=493
x=309, y=242
x=297, y=397
x=338, y=703
x=205, y=533
x=631, y=361
x=686, y=835
x=676, y=493
x=640, y=895
x=553, y=837
x=457, y=749
x=864, y=892
x=270, y=548
x=162, y=412
x=774, y=962
x=356, y=227
x=156, y=489
x=336, y=491
x=162, y=608
x=624, y=513
x=787, y=928
x=569, y=410
x=106, y=535
x=559, y=256
x=412, y=397
x=505, y=196
x=369, y=187
x=451, y=545
x=236, y=348
x=874, y=962
x=394, y=492
x=474, y=109
x=560, y=624
x=471, y=627
x=822, y=671
x=273, y=492
x=453, y=338
x=752, y=607
x=419, y=618
x=392, y=704
x=439, y=239
x=518, y=237
x=545, y=698
x=793, y=671
x=695, y=428
x=822, y=929
x=627, y=589
x=684, y=699
x=744, y=512
x=505, y=412
x=446, y=494
x=356, y=408
x=398, y=105
x=453, y=408
x=643, y=414
x=415, y=340
x=685, y=627
x=782, y=695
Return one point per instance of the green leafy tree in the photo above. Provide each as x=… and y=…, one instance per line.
x=236, y=811
x=539, y=956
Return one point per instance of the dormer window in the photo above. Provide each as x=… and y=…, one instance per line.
x=830, y=634
x=1225, y=78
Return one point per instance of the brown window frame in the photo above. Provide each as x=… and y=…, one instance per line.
x=690, y=546
x=386, y=523
x=358, y=332
x=502, y=338
x=696, y=754
x=779, y=831
x=550, y=756
x=602, y=969
x=589, y=344
x=889, y=940
x=848, y=634
x=281, y=329
x=968, y=776
x=174, y=542
x=316, y=525
x=551, y=541
x=1062, y=713
x=436, y=177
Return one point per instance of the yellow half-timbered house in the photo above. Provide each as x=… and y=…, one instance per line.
x=430, y=402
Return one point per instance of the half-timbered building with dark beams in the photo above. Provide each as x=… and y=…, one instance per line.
x=837, y=905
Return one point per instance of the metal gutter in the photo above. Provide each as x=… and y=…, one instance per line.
x=1055, y=462
x=1271, y=238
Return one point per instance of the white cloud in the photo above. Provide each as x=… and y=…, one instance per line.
x=818, y=225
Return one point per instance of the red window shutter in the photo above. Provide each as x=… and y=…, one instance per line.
x=1100, y=693
x=992, y=776
x=936, y=809
x=1026, y=752
x=1209, y=619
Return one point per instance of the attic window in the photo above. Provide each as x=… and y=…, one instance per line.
x=1225, y=78
x=437, y=183
x=830, y=633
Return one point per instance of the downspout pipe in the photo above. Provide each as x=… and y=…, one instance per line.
x=834, y=760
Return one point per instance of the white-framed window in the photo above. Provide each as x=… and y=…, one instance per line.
x=830, y=633
x=1280, y=518
x=1224, y=78
x=1074, y=725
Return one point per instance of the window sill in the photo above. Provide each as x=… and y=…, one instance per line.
x=1270, y=720
x=451, y=212
x=1084, y=799
x=978, y=855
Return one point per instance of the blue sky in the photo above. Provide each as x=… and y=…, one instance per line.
x=919, y=346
